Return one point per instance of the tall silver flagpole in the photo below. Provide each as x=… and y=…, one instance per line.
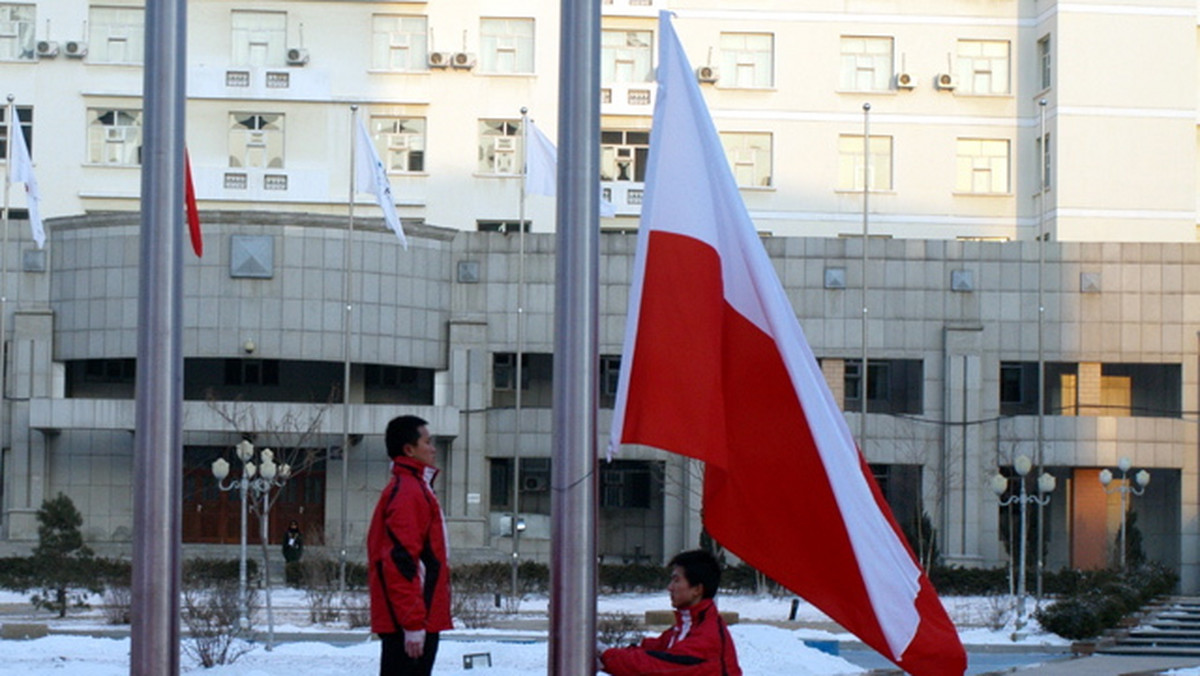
x=516, y=488
x=158, y=442
x=573, y=508
x=342, y=540
x=14, y=127
x=863, y=378
x=1041, y=419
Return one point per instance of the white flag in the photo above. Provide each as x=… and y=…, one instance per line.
x=541, y=168
x=22, y=172
x=370, y=176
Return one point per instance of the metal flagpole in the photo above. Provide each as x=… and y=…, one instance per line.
x=1041, y=419
x=516, y=488
x=342, y=553
x=862, y=377
x=158, y=441
x=14, y=127
x=573, y=576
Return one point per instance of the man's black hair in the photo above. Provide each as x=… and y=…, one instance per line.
x=700, y=567
x=402, y=431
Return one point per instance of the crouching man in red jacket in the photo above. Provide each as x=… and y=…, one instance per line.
x=699, y=644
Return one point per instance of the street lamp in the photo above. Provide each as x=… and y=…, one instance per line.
x=1045, y=486
x=220, y=469
x=259, y=479
x=1142, y=479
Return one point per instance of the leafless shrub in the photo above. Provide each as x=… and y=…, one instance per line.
x=358, y=609
x=618, y=629
x=117, y=603
x=212, y=617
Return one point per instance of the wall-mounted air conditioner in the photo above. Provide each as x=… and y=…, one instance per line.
x=439, y=59
x=297, y=56
x=464, y=60
x=905, y=81
x=708, y=74
x=47, y=49
x=946, y=81
x=76, y=48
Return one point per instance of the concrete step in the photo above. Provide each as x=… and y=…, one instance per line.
x=1163, y=651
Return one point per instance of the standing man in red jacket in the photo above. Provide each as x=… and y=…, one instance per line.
x=699, y=644
x=406, y=555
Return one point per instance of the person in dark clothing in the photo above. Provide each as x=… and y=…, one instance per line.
x=407, y=573
x=293, y=543
x=699, y=643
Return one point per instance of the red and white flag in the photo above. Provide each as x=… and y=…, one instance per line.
x=22, y=172
x=716, y=367
x=193, y=213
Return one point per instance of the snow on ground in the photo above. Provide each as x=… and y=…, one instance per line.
x=768, y=643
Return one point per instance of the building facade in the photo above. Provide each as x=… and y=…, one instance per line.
x=985, y=205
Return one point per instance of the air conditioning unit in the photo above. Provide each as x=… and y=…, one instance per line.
x=535, y=483
x=504, y=144
x=76, y=48
x=297, y=56
x=905, y=81
x=47, y=48
x=707, y=74
x=439, y=59
x=464, y=60
x=946, y=81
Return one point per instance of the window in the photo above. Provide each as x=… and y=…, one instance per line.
x=400, y=141
x=500, y=147
x=625, y=56
x=623, y=155
x=610, y=375
x=535, y=485
x=893, y=385
x=1018, y=388
x=399, y=42
x=850, y=162
x=749, y=156
x=866, y=64
x=17, y=38
x=25, y=119
x=1044, y=150
x=982, y=166
x=259, y=39
x=747, y=60
x=626, y=484
x=116, y=35
x=506, y=45
x=114, y=136
x=504, y=371
x=1043, y=47
x=983, y=66
x=110, y=370
x=256, y=140
x=506, y=227
x=251, y=371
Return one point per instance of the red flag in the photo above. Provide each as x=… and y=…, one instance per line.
x=193, y=213
x=716, y=367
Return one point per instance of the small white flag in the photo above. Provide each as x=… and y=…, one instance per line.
x=541, y=169
x=22, y=172
x=371, y=177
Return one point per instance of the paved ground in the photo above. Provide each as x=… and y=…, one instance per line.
x=1108, y=665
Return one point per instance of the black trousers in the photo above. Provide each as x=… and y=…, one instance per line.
x=395, y=662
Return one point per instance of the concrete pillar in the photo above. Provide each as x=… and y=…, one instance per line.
x=961, y=472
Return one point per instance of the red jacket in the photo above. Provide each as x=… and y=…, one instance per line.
x=406, y=554
x=698, y=645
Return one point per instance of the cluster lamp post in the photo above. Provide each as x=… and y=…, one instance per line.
x=1142, y=479
x=259, y=479
x=1045, y=486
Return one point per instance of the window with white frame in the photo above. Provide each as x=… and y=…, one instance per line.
x=506, y=45
x=259, y=38
x=749, y=156
x=24, y=123
x=400, y=141
x=866, y=63
x=116, y=34
x=851, y=162
x=500, y=147
x=17, y=38
x=982, y=166
x=1044, y=151
x=983, y=66
x=626, y=56
x=114, y=136
x=623, y=155
x=747, y=60
x=256, y=140
x=399, y=42
x=1043, y=47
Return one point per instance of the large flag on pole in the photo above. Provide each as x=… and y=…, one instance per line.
x=193, y=212
x=716, y=367
x=541, y=168
x=22, y=172
x=370, y=176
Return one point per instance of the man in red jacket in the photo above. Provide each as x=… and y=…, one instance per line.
x=406, y=555
x=699, y=644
